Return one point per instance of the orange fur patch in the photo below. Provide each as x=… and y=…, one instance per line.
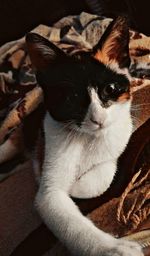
x=124, y=97
x=101, y=57
x=106, y=55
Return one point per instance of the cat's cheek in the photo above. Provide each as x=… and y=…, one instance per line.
x=118, y=112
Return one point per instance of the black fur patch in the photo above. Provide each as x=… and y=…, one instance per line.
x=66, y=83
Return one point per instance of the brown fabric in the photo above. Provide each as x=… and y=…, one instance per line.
x=18, y=217
x=122, y=216
x=37, y=243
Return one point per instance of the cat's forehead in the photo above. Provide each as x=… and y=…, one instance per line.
x=80, y=72
x=85, y=68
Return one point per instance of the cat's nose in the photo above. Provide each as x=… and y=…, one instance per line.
x=94, y=121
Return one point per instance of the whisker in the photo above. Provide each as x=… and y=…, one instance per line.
x=140, y=109
x=136, y=117
x=65, y=126
x=136, y=109
x=136, y=120
x=139, y=105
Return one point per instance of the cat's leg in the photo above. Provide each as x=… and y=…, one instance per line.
x=95, y=182
x=73, y=229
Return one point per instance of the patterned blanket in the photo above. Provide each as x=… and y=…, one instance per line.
x=20, y=95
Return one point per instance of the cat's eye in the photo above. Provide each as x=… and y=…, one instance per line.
x=111, y=89
x=114, y=89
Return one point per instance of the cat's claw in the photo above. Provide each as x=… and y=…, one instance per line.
x=125, y=248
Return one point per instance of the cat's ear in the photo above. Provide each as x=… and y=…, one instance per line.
x=42, y=52
x=113, y=47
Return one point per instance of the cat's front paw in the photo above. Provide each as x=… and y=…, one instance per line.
x=125, y=248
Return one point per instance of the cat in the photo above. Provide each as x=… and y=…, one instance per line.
x=87, y=126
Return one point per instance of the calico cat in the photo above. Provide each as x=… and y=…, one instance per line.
x=87, y=126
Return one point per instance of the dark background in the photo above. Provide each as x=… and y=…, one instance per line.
x=20, y=16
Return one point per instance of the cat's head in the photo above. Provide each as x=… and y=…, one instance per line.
x=87, y=90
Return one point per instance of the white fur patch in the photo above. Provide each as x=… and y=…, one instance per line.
x=83, y=165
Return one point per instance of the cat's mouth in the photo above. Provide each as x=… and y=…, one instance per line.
x=91, y=128
x=96, y=125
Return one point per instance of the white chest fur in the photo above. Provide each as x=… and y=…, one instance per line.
x=77, y=155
